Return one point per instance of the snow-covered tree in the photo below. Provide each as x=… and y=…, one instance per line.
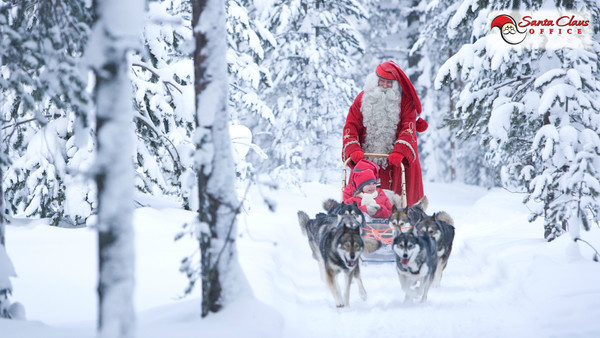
x=6, y=267
x=445, y=27
x=216, y=225
x=313, y=86
x=164, y=121
x=384, y=32
x=247, y=39
x=536, y=113
x=7, y=270
x=43, y=103
x=116, y=32
x=563, y=171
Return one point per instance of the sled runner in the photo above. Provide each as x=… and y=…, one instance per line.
x=378, y=228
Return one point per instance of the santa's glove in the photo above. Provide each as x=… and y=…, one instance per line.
x=395, y=159
x=357, y=156
x=421, y=125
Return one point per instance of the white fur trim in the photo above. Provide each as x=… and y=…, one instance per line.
x=347, y=144
x=409, y=147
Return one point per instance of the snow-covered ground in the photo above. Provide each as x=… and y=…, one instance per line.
x=503, y=279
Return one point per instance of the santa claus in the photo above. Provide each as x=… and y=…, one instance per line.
x=383, y=119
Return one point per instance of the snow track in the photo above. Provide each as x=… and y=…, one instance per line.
x=490, y=288
x=502, y=280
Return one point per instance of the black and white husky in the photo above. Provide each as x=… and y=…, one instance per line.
x=440, y=227
x=415, y=252
x=336, y=243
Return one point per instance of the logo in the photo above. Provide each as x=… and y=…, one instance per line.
x=508, y=29
x=547, y=29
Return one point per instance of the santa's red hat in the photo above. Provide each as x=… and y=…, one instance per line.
x=389, y=70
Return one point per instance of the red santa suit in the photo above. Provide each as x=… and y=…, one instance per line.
x=401, y=136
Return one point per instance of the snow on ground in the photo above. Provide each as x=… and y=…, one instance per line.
x=503, y=279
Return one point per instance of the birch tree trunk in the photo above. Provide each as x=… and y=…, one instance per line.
x=116, y=32
x=218, y=205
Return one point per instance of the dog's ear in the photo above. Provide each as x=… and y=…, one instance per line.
x=413, y=214
x=394, y=209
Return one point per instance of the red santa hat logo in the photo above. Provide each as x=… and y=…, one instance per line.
x=508, y=29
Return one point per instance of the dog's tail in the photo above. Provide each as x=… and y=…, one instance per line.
x=443, y=216
x=371, y=245
x=330, y=205
x=303, y=220
x=423, y=203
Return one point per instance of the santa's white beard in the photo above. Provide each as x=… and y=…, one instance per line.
x=381, y=114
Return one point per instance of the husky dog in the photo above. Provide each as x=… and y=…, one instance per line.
x=416, y=261
x=439, y=226
x=410, y=216
x=336, y=243
x=334, y=208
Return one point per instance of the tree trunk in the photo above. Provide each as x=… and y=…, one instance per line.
x=218, y=205
x=115, y=34
x=5, y=290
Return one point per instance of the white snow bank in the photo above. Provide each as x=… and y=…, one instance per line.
x=503, y=279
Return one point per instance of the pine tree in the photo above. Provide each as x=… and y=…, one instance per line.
x=114, y=35
x=44, y=101
x=6, y=267
x=249, y=77
x=164, y=123
x=313, y=85
x=385, y=32
x=536, y=113
x=564, y=174
x=446, y=157
x=247, y=39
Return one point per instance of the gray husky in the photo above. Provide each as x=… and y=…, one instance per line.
x=416, y=261
x=336, y=243
x=439, y=226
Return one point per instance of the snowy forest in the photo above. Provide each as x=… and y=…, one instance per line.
x=107, y=106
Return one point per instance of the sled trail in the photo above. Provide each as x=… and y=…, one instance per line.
x=485, y=287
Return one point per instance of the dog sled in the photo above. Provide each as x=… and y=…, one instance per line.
x=378, y=229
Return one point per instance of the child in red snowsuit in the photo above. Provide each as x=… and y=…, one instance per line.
x=363, y=190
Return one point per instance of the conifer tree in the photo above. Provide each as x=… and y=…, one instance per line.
x=44, y=104
x=535, y=110
x=164, y=123
x=446, y=26
x=313, y=85
x=247, y=40
x=6, y=267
